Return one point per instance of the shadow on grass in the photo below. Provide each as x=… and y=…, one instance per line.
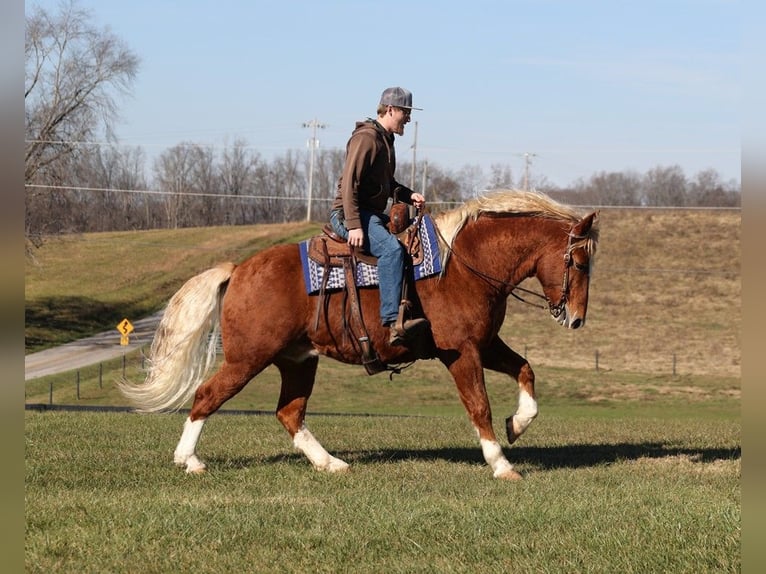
x=545, y=458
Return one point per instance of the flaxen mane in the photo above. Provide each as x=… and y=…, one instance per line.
x=506, y=201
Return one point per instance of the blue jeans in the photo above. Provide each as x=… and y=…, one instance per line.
x=379, y=242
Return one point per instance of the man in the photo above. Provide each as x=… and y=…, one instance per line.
x=364, y=188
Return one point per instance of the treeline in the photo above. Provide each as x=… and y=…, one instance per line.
x=106, y=188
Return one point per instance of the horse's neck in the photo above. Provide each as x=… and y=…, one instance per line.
x=506, y=248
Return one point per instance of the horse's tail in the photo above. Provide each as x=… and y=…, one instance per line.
x=184, y=345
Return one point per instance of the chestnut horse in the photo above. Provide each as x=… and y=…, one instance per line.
x=488, y=246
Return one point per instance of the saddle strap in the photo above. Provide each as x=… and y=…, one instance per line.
x=322, y=301
x=372, y=364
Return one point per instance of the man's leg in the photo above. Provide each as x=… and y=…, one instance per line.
x=390, y=254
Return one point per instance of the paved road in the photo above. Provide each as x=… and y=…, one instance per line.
x=92, y=350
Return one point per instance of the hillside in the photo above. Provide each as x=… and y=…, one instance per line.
x=665, y=293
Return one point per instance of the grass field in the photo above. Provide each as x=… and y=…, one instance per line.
x=606, y=489
x=631, y=467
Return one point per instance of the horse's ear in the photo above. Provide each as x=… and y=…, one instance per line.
x=583, y=227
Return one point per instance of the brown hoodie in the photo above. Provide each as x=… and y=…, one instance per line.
x=368, y=180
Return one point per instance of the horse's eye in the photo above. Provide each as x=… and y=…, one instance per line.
x=584, y=267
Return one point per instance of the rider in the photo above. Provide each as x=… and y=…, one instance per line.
x=364, y=188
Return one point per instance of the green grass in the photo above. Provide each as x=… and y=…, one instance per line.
x=634, y=493
x=623, y=473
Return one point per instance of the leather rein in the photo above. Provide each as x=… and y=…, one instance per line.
x=555, y=309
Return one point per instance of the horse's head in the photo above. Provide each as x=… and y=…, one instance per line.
x=564, y=273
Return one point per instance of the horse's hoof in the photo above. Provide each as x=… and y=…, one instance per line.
x=337, y=466
x=195, y=465
x=510, y=474
x=511, y=431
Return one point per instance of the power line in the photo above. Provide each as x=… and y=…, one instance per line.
x=166, y=193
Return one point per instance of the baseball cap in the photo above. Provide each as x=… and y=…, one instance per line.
x=397, y=97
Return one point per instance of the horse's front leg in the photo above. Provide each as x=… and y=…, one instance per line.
x=297, y=384
x=500, y=357
x=465, y=367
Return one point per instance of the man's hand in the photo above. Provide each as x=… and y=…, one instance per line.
x=418, y=200
x=355, y=237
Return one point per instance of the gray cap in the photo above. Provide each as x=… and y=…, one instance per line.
x=397, y=97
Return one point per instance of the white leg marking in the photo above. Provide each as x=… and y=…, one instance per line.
x=526, y=412
x=184, y=453
x=495, y=458
x=305, y=442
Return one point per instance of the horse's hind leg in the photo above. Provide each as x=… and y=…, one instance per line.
x=219, y=388
x=500, y=357
x=298, y=375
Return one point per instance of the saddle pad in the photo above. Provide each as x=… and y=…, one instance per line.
x=367, y=275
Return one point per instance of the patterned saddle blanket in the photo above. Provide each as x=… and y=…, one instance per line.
x=367, y=274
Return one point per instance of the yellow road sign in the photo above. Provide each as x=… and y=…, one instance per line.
x=124, y=340
x=125, y=327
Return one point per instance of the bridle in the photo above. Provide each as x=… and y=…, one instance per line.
x=555, y=309
x=569, y=261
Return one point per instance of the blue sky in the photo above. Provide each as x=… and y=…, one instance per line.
x=587, y=86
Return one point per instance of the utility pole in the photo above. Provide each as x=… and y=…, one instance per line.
x=414, y=152
x=526, y=169
x=313, y=143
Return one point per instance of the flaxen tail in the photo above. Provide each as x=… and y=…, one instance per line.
x=184, y=346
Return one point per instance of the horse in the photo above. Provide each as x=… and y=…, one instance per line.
x=265, y=316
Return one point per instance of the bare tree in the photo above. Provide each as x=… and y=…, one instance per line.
x=236, y=172
x=73, y=74
x=174, y=173
x=665, y=186
x=205, y=209
x=328, y=166
x=471, y=180
x=443, y=189
x=707, y=189
x=501, y=176
x=614, y=188
x=116, y=180
x=289, y=183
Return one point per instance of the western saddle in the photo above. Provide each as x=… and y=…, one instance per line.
x=331, y=250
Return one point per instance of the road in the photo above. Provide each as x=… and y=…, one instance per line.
x=89, y=351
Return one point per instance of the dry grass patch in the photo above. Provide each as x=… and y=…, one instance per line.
x=688, y=464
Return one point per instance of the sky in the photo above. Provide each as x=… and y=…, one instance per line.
x=574, y=87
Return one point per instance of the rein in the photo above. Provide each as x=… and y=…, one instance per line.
x=554, y=309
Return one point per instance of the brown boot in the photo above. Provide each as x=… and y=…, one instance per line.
x=412, y=329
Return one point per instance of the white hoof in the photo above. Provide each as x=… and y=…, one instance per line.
x=508, y=474
x=337, y=465
x=195, y=465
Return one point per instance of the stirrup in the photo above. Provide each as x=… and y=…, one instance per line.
x=400, y=334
